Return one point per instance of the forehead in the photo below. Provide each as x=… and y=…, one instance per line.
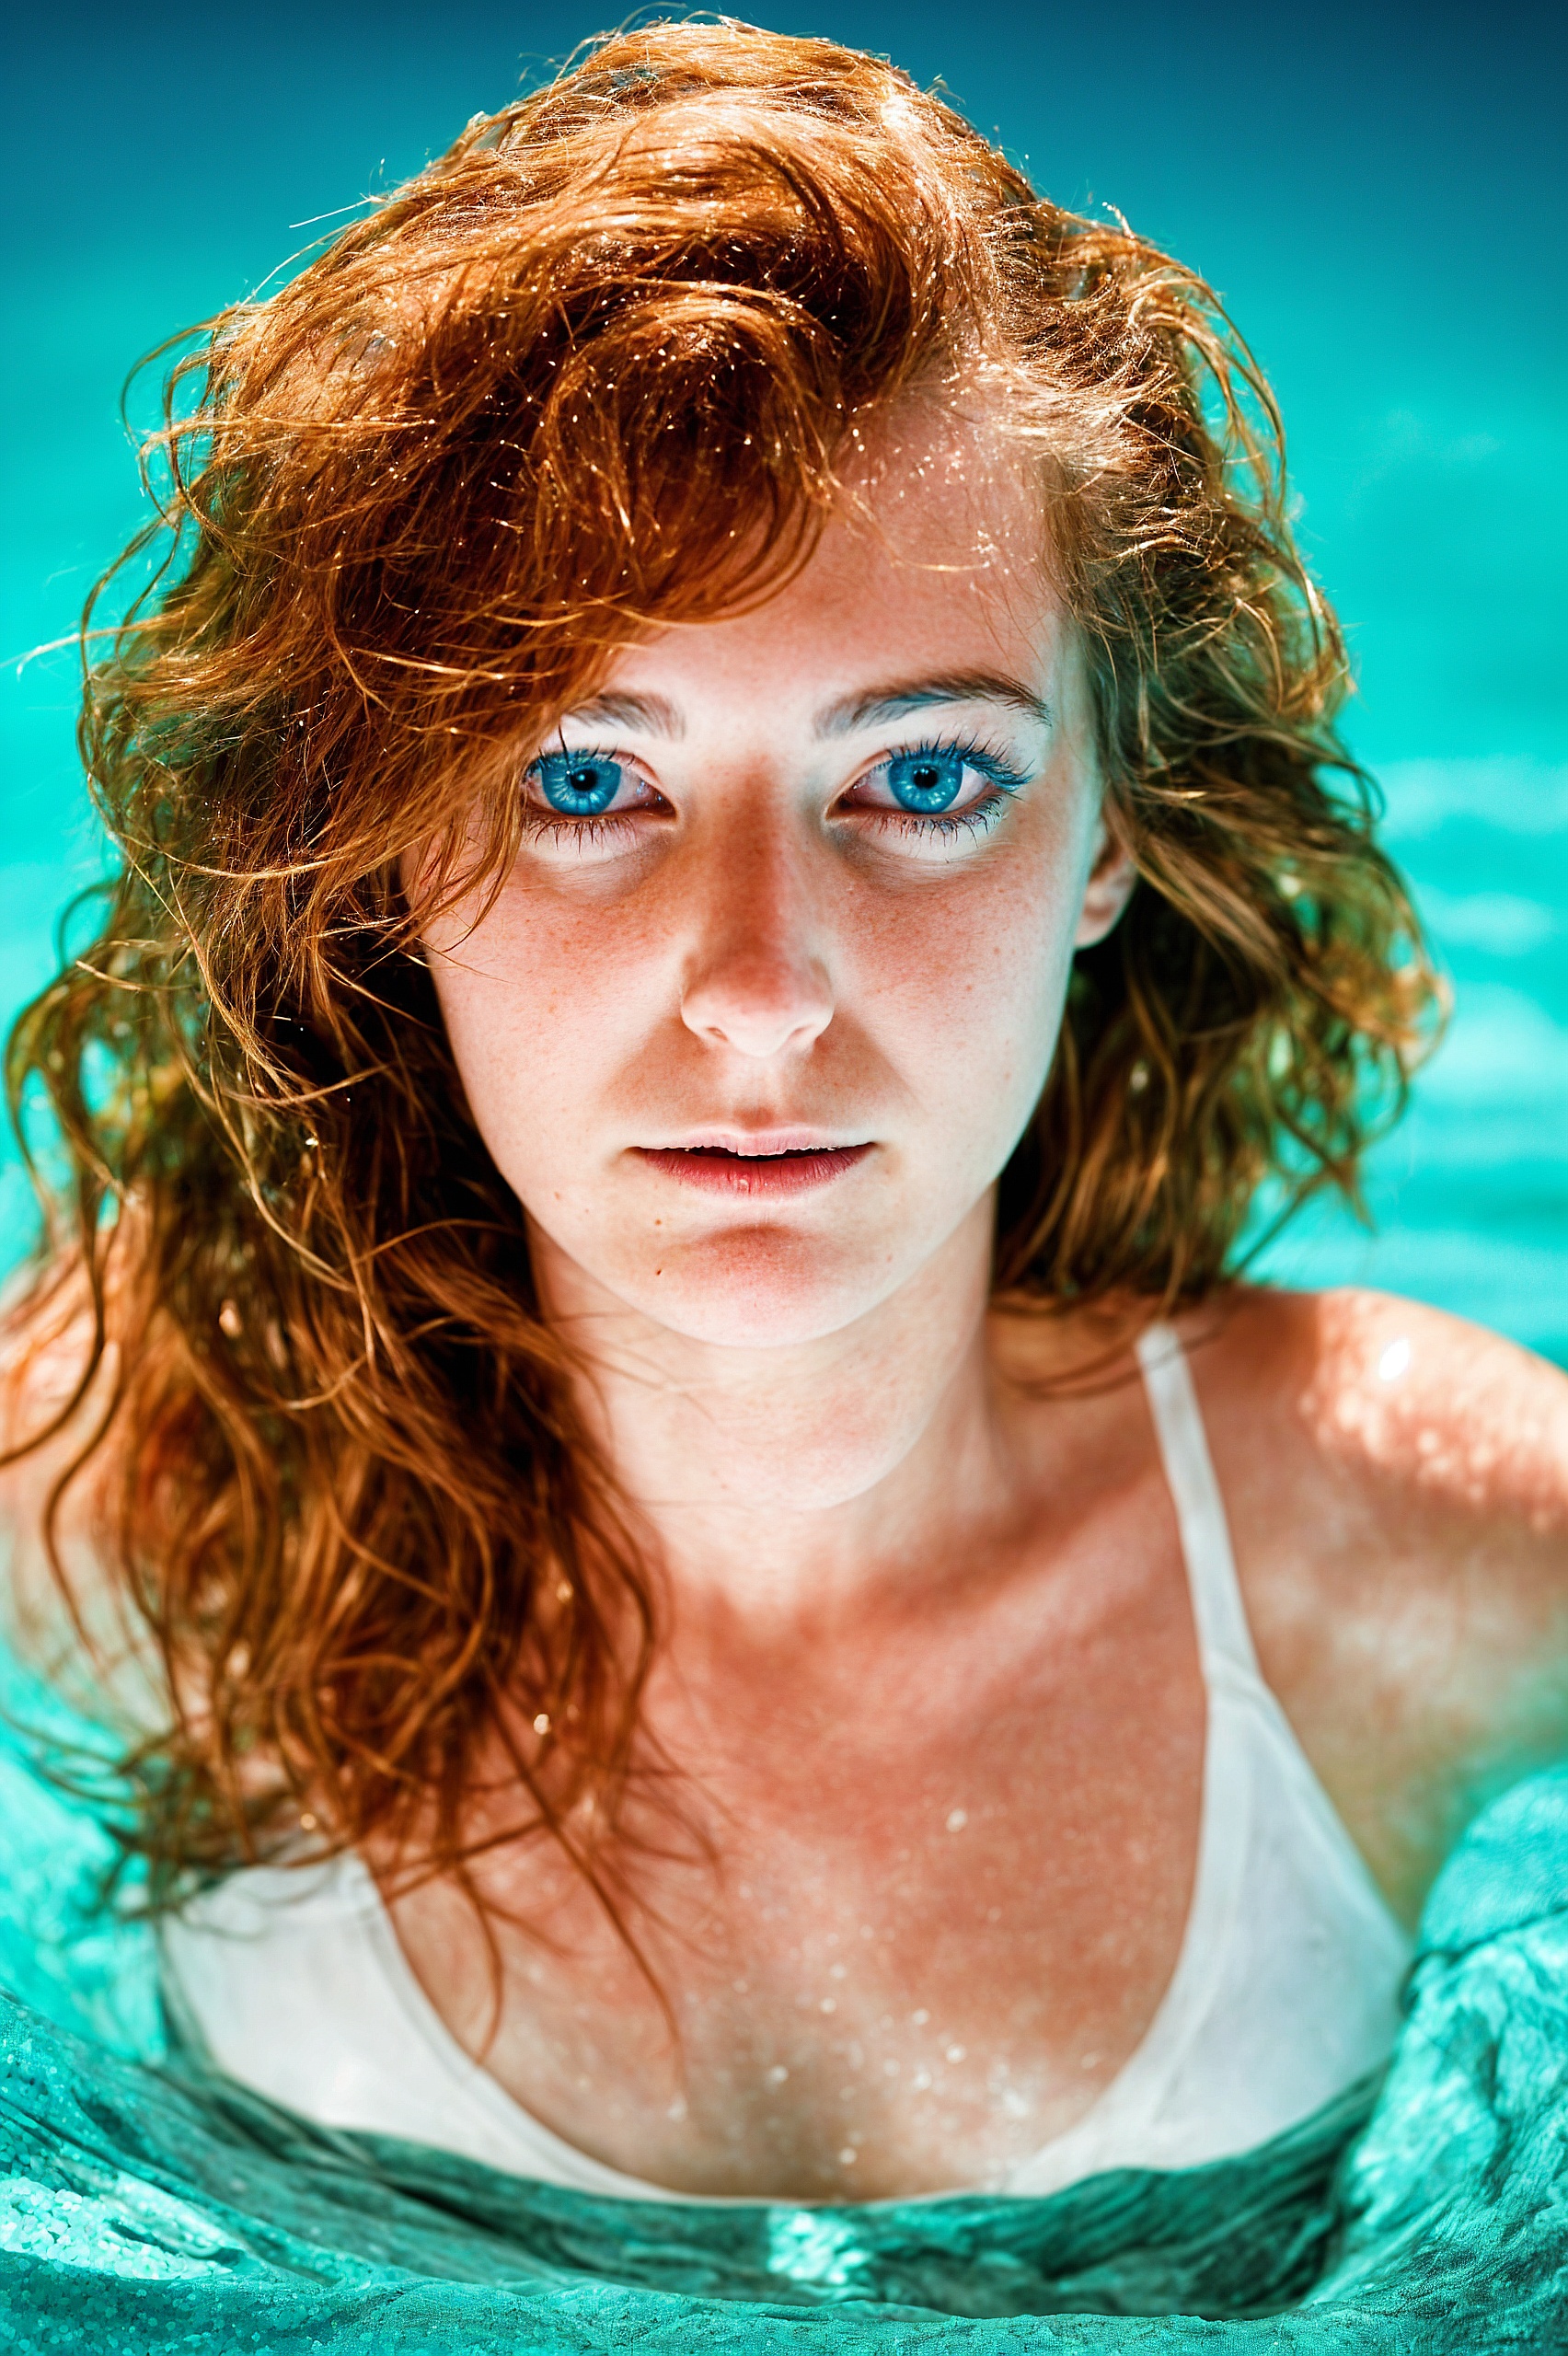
x=936, y=558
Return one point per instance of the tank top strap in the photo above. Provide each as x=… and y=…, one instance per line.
x=1218, y=1612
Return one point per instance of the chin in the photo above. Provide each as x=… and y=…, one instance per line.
x=758, y=1289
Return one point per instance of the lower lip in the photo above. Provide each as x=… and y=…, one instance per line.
x=754, y=1176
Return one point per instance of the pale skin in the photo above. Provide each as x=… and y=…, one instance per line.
x=927, y=1673
x=928, y=1668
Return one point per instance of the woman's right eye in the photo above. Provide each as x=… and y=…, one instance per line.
x=579, y=785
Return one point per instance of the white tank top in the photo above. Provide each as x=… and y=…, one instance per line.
x=1285, y=1989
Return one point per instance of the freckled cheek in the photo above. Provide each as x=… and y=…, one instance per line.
x=964, y=992
x=541, y=1006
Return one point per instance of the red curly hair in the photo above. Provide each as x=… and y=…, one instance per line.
x=597, y=368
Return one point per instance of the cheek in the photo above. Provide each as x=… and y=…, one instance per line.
x=962, y=990
x=543, y=1004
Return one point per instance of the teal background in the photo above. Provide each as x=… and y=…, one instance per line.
x=1378, y=194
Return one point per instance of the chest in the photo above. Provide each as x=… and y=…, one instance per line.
x=900, y=1920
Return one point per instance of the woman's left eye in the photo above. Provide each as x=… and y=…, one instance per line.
x=952, y=785
x=925, y=781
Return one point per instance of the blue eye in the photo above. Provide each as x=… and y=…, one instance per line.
x=580, y=785
x=925, y=781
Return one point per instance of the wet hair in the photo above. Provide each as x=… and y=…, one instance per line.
x=608, y=362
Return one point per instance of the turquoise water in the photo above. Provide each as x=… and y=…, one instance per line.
x=1381, y=204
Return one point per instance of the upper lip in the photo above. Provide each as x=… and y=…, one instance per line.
x=753, y=1144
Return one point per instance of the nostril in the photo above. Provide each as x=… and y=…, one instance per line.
x=759, y=1006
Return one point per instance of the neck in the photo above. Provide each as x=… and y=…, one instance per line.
x=784, y=1484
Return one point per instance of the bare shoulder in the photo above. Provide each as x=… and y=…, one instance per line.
x=1425, y=1413
x=1398, y=1484
x=61, y=1608
x=46, y=1354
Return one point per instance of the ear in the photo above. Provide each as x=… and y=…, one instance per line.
x=1111, y=881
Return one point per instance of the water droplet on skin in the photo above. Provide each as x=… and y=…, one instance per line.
x=921, y=2017
x=1394, y=1361
x=828, y=2004
x=778, y=2074
x=921, y=2081
x=542, y=1722
x=957, y=1818
x=678, y=2108
x=848, y=2156
x=837, y=1971
x=890, y=2069
x=956, y=2052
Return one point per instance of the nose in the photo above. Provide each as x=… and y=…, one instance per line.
x=756, y=982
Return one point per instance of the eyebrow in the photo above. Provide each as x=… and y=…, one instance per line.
x=651, y=714
x=654, y=716
x=883, y=704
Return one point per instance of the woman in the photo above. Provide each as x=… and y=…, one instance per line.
x=731, y=889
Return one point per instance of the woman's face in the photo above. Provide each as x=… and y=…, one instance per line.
x=774, y=986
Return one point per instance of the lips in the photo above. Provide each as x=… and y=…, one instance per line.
x=730, y=1169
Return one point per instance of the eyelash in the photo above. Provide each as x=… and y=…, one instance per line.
x=583, y=830
x=981, y=816
x=978, y=819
